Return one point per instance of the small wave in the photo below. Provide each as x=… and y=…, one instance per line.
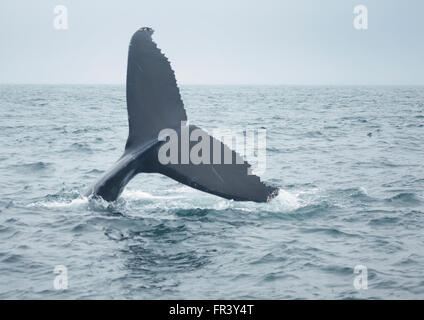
x=12, y=258
x=313, y=209
x=313, y=134
x=33, y=166
x=404, y=198
x=4, y=229
x=78, y=131
x=384, y=221
x=334, y=232
x=356, y=193
x=269, y=258
x=80, y=147
x=95, y=171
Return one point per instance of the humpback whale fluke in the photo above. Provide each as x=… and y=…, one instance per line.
x=154, y=103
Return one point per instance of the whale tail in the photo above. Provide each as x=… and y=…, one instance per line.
x=154, y=104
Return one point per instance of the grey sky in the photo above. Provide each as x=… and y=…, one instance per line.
x=217, y=42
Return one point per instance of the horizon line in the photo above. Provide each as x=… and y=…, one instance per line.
x=225, y=84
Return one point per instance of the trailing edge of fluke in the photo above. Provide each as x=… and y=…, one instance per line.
x=154, y=103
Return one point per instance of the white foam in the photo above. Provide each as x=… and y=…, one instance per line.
x=186, y=198
x=183, y=189
x=222, y=205
x=289, y=200
x=284, y=202
x=59, y=204
x=139, y=195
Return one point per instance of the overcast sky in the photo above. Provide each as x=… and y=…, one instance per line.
x=217, y=42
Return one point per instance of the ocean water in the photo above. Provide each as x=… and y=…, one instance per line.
x=348, y=160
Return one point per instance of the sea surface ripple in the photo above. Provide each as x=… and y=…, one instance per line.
x=349, y=162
